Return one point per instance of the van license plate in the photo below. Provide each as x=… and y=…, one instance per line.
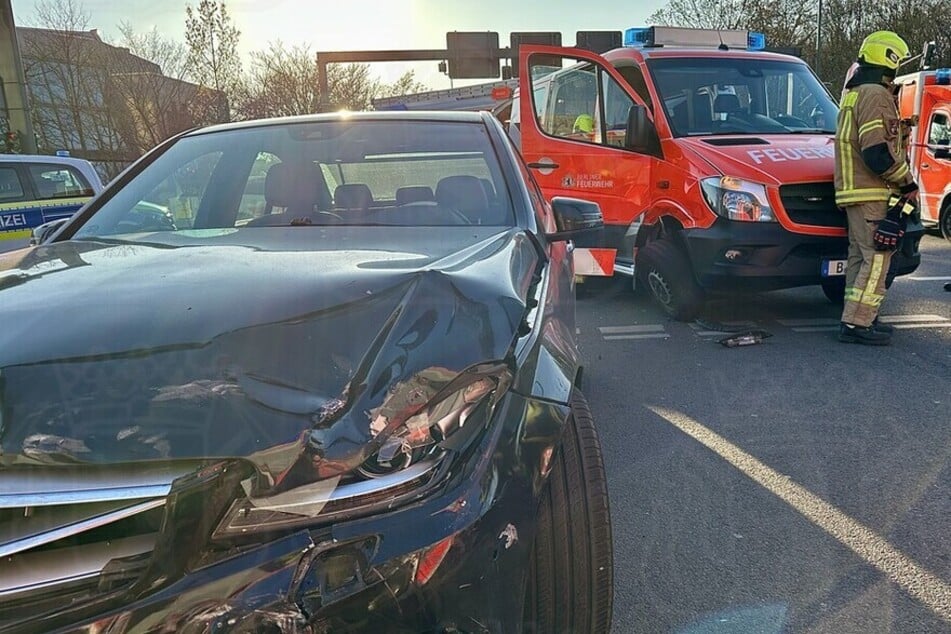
x=833, y=268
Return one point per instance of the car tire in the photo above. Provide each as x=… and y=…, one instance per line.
x=834, y=290
x=571, y=573
x=665, y=272
x=944, y=221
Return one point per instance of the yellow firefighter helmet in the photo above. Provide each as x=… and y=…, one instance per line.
x=883, y=48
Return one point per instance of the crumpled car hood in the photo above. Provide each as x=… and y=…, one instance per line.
x=113, y=353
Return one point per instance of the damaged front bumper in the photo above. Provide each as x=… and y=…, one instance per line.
x=455, y=560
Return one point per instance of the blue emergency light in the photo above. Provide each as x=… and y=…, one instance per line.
x=655, y=36
x=943, y=76
x=757, y=41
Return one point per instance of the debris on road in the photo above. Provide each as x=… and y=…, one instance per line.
x=748, y=338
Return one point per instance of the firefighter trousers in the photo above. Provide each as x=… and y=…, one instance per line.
x=867, y=268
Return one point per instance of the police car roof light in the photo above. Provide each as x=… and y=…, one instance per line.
x=943, y=76
x=654, y=36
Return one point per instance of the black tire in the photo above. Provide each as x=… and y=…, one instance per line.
x=665, y=272
x=834, y=290
x=944, y=221
x=571, y=576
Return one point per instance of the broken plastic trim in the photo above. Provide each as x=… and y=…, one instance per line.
x=418, y=430
x=325, y=500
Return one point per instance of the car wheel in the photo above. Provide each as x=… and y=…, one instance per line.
x=666, y=273
x=944, y=221
x=834, y=289
x=571, y=576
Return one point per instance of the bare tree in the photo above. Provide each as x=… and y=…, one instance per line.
x=154, y=100
x=213, y=60
x=284, y=81
x=702, y=14
x=67, y=71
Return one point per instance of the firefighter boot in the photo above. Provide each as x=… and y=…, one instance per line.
x=849, y=333
x=880, y=327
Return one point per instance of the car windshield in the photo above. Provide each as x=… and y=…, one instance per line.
x=727, y=95
x=338, y=171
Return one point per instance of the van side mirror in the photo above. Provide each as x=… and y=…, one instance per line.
x=929, y=55
x=943, y=152
x=574, y=217
x=641, y=136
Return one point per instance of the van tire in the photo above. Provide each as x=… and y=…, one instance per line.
x=944, y=220
x=665, y=273
x=571, y=572
x=834, y=290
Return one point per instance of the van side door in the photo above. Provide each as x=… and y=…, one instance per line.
x=574, y=112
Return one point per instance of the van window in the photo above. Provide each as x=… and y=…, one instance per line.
x=940, y=132
x=58, y=181
x=10, y=187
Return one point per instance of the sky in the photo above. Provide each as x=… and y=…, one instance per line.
x=342, y=25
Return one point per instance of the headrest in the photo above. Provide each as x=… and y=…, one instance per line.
x=726, y=103
x=464, y=193
x=293, y=185
x=352, y=196
x=406, y=195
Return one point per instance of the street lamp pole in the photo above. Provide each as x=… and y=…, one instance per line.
x=819, y=40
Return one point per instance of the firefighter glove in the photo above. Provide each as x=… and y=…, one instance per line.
x=890, y=231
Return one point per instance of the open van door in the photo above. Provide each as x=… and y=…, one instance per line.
x=577, y=115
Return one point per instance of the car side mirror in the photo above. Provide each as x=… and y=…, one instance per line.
x=45, y=231
x=641, y=136
x=574, y=217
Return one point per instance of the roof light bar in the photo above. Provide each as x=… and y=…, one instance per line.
x=943, y=76
x=656, y=36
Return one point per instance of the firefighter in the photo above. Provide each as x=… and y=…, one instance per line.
x=871, y=170
x=584, y=126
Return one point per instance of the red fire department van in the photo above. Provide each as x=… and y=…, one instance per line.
x=712, y=161
x=925, y=100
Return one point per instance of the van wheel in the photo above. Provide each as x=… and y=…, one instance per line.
x=944, y=220
x=571, y=572
x=666, y=273
x=834, y=290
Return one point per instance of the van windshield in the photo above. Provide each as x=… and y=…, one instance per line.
x=704, y=96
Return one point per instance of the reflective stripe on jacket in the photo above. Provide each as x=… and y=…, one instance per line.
x=868, y=117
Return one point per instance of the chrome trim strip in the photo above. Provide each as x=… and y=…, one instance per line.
x=624, y=269
x=376, y=485
x=62, y=498
x=40, y=539
x=30, y=572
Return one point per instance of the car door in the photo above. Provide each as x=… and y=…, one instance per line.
x=935, y=172
x=573, y=116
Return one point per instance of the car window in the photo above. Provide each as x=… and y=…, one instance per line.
x=10, y=187
x=59, y=181
x=361, y=173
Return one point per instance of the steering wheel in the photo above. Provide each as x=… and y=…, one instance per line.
x=146, y=220
x=789, y=120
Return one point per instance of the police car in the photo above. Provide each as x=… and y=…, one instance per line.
x=35, y=190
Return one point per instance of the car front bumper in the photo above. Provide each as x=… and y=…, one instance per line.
x=455, y=561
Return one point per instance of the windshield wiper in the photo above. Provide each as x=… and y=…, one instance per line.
x=809, y=131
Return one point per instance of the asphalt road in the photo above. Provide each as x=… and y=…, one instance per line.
x=798, y=485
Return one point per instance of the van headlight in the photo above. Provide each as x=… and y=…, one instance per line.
x=737, y=199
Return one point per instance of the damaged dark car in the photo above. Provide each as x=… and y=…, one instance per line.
x=304, y=375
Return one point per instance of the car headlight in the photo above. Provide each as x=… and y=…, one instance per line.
x=421, y=428
x=737, y=199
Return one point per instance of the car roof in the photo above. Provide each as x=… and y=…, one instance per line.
x=405, y=116
x=42, y=158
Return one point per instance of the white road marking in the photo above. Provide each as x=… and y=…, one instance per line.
x=946, y=324
x=904, y=319
x=926, y=587
x=626, y=330
x=939, y=278
x=649, y=335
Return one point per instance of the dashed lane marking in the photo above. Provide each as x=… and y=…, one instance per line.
x=923, y=585
x=627, y=330
x=647, y=335
x=939, y=278
x=888, y=319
